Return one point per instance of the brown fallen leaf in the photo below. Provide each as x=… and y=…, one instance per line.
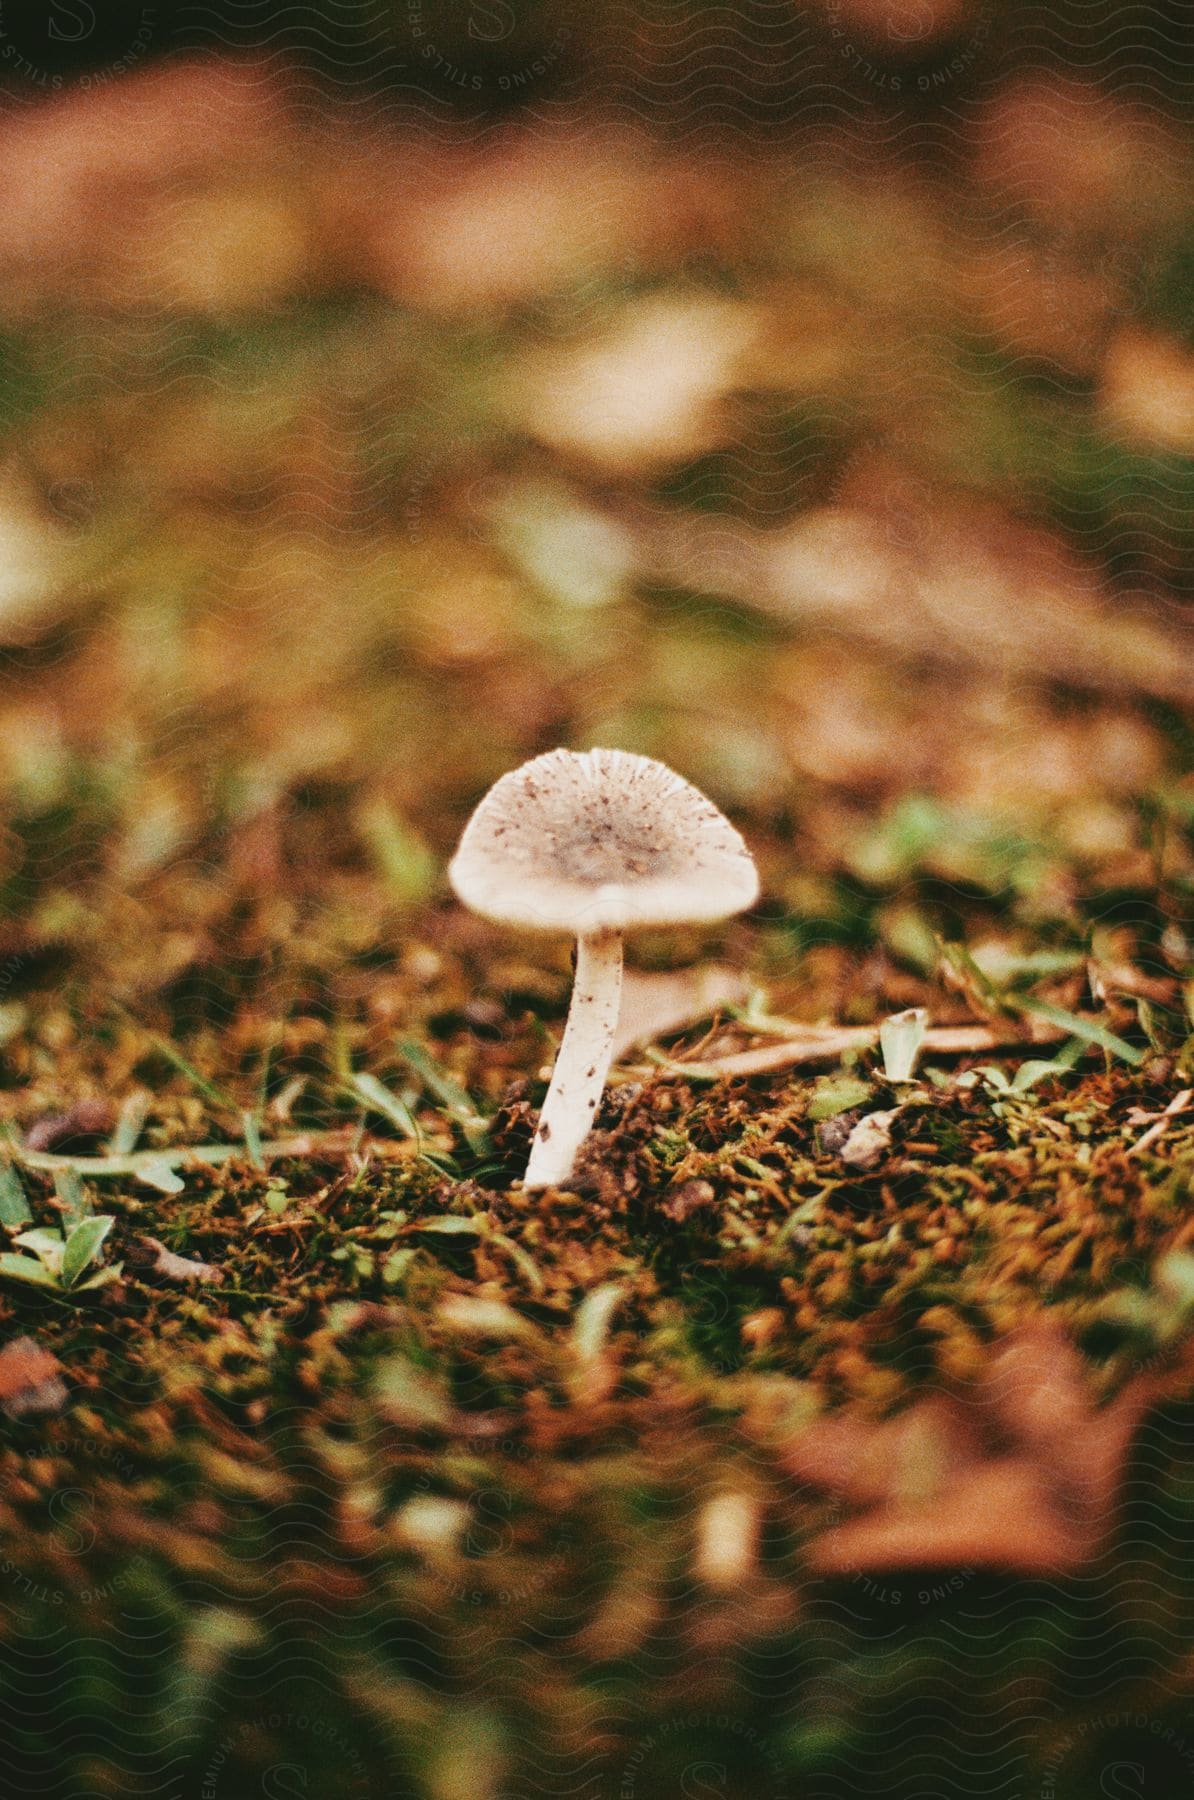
x=869, y=1140
x=646, y=390
x=29, y=1379
x=1160, y=1121
x=691, y=1197
x=85, y=1119
x=960, y=584
x=653, y=1005
x=1146, y=391
x=1018, y=1472
x=172, y=1267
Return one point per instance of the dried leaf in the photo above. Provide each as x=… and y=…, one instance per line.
x=962, y=585
x=30, y=1381
x=690, y=1197
x=654, y=1005
x=1018, y=1472
x=172, y=1267
x=727, y=1540
x=646, y=391
x=156, y=1167
x=85, y=1119
x=822, y=1046
x=870, y=1140
x=476, y=1316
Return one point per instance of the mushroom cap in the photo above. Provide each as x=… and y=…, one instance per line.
x=600, y=840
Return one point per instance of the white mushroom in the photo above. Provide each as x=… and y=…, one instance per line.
x=597, y=844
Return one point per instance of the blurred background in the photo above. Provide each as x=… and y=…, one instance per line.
x=800, y=391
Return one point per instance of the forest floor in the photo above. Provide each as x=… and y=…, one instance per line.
x=830, y=1434
x=701, y=1461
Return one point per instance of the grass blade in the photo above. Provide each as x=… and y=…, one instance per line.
x=450, y=1095
x=1086, y=1029
x=380, y=1100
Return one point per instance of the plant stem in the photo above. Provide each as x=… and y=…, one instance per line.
x=583, y=1061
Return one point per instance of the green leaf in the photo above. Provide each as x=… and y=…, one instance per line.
x=47, y=1246
x=388, y=1105
x=451, y=1225
x=1086, y=1029
x=100, y=1279
x=451, y=1097
x=159, y=1174
x=396, y=1264
x=1029, y=1073
x=594, y=1315
x=909, y=936
x=14, y=1208
x=434, y=1080
x=13, y=1018
x=990, y=1074
x=211, y=1093
x=410, y=1395
x=1005, y=967
x=900, y=1039
x=409, y=868
x=958, y=960
x=253, y=1139
x=71, y=1193
x=526, y=1265
x=1149, y=1019
x=835, y=1094
x=83, y=1246
x=27, y=1268
x=133, y=1113
x=1174, y=1276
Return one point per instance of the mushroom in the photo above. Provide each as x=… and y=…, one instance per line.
x=596, y=843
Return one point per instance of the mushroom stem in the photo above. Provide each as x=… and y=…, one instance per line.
x=583, y=1062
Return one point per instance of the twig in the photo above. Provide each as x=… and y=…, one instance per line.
x=179, y=1155
x=826, y=1044
x=1178, y=1104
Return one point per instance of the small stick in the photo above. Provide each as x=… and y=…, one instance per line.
x=1178, y=1104
x=830, y=1041
x=178, y=1156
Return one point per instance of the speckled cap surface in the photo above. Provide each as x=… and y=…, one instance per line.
x=600, y=840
